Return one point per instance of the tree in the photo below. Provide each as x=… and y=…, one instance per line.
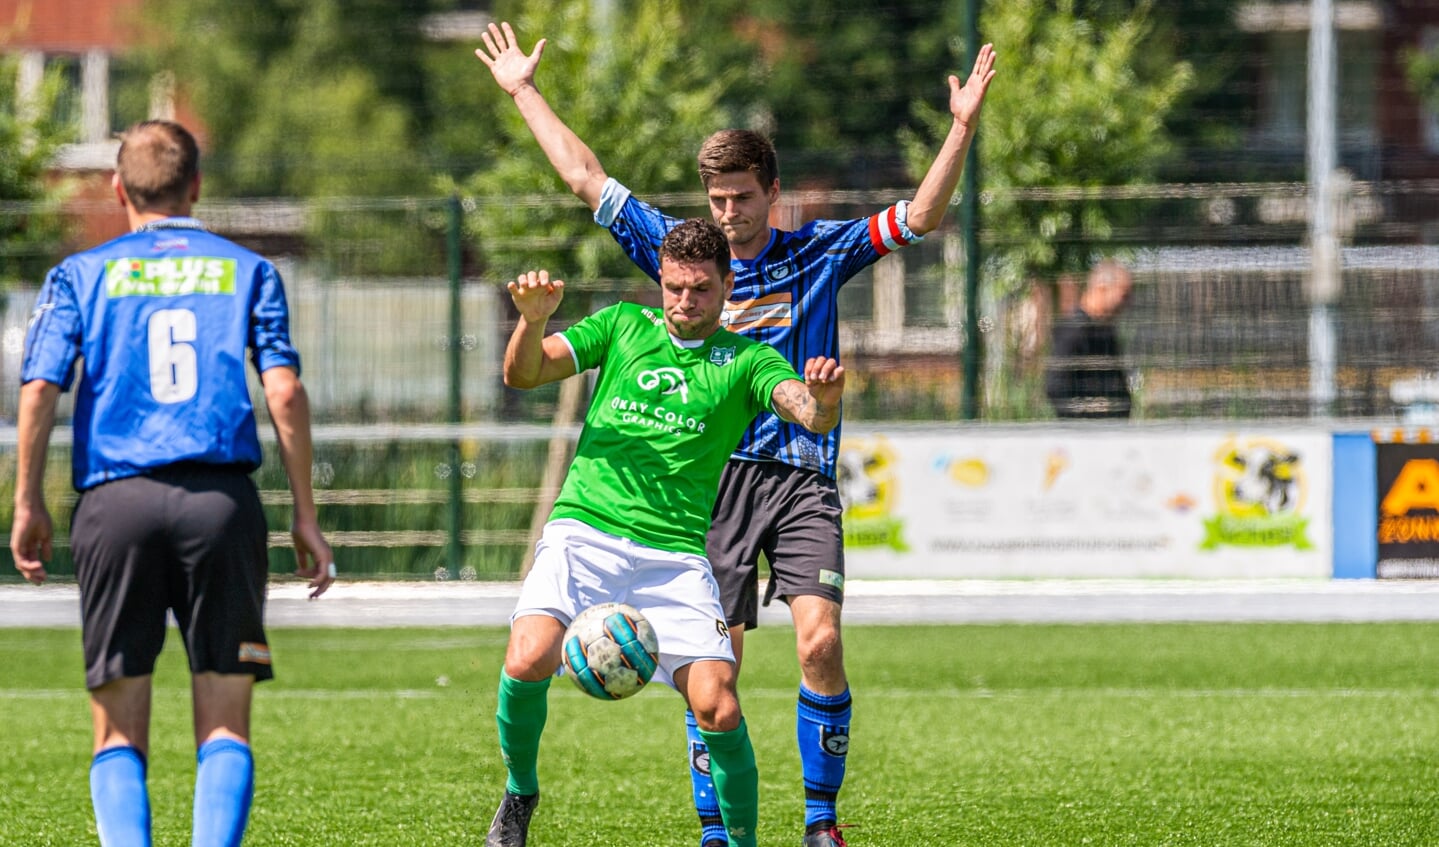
x=1422, y=69
x=641, y=90
x=832, y=81
x=302, y=98
x=319, y=100
x=1071, y=112
x=31, y=229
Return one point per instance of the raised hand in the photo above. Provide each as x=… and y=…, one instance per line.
x=512, y=69
x=536, y=296
x=965, y=102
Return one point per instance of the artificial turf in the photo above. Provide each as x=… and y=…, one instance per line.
x=1175, y=734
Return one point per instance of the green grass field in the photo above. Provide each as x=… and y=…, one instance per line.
x=973, y=735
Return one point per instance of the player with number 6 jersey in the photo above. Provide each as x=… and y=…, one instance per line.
x=168, y=520
x=158, y=316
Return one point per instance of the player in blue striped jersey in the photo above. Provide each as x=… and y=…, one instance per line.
x=168, y=519
x=778, y=494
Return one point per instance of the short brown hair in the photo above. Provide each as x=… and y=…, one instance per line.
x=695, y=241
x=157, y=164
x=735, y=151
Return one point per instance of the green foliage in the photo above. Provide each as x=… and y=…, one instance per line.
x=310, y=99
x=1283, y=735
x=1422, y=69
x=640, y=88
x=1070, y=109
x=302, y=98
x=832, y=82
x=30, y=233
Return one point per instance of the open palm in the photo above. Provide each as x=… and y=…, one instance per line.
x=509, y=64
x=965, y=102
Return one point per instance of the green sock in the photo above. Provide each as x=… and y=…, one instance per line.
x=521, y=718
x=736, y=782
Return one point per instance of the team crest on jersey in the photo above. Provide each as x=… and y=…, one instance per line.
x=779, y=271
x=721, y=356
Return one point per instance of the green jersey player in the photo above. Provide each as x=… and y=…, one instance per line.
x=674, y=394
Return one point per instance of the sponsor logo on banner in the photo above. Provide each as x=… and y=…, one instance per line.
x=1260, y=488
x=868, y=490
x=1408, y=528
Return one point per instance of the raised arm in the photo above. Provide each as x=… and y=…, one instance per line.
x=514, y=71
x=533, y=358
x=814, y=403
x=926, y=210
x=289, y=406
x=30, y=533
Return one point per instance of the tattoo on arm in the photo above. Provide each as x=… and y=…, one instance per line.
x=795, y=404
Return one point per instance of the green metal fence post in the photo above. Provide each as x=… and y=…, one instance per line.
x=971, y=351
x=455, y=553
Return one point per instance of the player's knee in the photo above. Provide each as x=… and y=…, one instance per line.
x=528, y=660
x=721, y=715
x=820, y=649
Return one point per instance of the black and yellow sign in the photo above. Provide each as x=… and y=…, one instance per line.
x=1408, y=477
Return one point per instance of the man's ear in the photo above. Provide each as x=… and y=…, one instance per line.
x=119, y=188
x=774, y=191
x=728, y=283
x=195, y=189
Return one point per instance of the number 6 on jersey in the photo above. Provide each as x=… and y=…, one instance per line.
x=173, y=376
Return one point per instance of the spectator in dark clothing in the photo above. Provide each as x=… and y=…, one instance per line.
x=1086, y=376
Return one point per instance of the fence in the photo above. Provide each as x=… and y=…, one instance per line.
x=427, y=465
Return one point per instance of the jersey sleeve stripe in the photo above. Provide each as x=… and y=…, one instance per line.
x=573, y=355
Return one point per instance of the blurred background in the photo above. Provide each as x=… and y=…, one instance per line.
x=1266, y=171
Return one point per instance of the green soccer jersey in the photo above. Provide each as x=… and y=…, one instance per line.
x=661, y=425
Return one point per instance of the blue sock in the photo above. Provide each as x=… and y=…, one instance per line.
x=122, y=805
x=706, y=801
x=822, y=728
x=224, y=787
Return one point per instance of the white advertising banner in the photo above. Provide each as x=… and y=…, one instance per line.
x=1063, y=503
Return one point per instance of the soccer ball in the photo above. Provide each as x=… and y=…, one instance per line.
x=610, y=651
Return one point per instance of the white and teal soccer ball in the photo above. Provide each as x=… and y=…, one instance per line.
x=610, y=651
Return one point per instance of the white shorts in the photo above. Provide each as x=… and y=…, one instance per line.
x=577, y=566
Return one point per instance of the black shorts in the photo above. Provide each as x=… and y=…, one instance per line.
x=189, y=538
x=790, y=514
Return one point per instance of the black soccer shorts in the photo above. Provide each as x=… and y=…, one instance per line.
x=189, y=538
x=789, y=514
